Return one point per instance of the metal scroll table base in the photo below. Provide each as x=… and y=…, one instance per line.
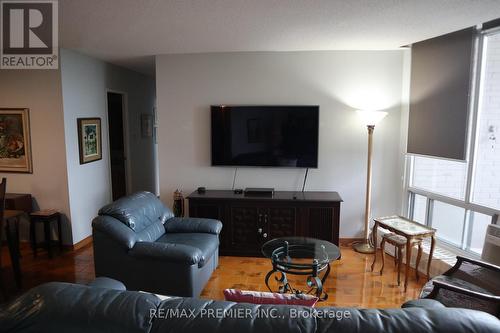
x=312, y=271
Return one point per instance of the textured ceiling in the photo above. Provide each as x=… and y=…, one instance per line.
x=130, y=32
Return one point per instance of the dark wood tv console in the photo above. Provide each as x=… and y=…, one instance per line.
x=249, y=221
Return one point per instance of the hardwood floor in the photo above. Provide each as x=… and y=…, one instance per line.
x=351, y=283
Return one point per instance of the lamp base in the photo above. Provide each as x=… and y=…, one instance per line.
x=363, y=247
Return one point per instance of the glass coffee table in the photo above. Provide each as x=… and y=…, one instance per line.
x=309, y=257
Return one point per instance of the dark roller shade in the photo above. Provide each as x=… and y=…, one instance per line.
x=491, y=24
x=439, y=95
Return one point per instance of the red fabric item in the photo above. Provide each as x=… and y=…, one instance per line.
x=258, y=297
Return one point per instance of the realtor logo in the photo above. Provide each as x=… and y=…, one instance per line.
x=29, y=35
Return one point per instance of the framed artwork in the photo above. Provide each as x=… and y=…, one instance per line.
x=89, y=139
x=15, y=141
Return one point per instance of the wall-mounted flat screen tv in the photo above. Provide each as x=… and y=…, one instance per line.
x=265, y=136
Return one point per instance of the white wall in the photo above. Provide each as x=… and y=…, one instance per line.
x=85, y=82
x=40, y=91
x=339, y=81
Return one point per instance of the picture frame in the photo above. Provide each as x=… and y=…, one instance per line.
x=89, y=139
x=15, y=141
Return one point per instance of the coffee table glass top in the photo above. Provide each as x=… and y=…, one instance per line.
x=290, y=248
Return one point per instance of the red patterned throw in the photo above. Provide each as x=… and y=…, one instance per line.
x=258, y=297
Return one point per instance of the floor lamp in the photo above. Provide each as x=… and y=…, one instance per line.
x=370, y=119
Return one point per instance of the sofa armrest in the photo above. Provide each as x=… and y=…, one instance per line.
x=115, y=230
x=459, y=290
x=479, y=263
x=193, y=225
x=178, y=253
x=107, y=283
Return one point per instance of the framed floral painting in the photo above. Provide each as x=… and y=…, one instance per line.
x=89, y=139
x=15, y=141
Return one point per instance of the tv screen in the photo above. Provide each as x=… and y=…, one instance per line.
x=267, y=136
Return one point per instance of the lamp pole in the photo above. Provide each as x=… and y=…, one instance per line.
x=365, y=246
x=370, y=118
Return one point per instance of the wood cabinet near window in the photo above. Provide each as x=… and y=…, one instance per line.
x=250, y=221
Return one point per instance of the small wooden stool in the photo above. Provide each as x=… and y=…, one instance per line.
x=399, y=242
x=45, y=216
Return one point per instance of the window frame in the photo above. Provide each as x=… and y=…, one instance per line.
x=478, y=68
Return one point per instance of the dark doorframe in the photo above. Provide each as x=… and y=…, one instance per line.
x=118, y=143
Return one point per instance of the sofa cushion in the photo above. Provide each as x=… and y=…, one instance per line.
x=151, y=233
x=206, y=243
x=138, y=211
x=206, y=316
x=72, y=308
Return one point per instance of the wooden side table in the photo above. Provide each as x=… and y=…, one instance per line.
x=45, y=217
x=411, y=231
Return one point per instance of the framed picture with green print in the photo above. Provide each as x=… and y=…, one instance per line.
x=89, y=139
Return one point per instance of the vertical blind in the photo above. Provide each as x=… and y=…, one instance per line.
x=439, y=95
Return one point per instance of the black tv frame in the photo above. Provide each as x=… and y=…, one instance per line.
x=264, y=166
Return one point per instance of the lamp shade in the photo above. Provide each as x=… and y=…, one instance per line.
x=371, y=118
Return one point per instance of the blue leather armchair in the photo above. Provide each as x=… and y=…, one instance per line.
x=138, y=240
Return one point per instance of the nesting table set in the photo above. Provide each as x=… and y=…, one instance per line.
x=413, y=232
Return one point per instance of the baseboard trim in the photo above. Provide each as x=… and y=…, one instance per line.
x=349, y=241
x=84, y=242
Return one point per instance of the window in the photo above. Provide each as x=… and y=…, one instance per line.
x=448, y=220
x=440, y=176
x=419, y=208
x=455, y=225
x=486, y=190
x=478, y=223
x=457, y=198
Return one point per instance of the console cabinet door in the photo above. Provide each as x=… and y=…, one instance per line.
x=281, y=222
x=245, y=235
x=321, y=222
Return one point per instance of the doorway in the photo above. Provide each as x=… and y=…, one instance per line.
x=118, y=157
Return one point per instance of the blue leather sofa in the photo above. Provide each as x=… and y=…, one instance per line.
x=106, y=307
x=138, y=240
